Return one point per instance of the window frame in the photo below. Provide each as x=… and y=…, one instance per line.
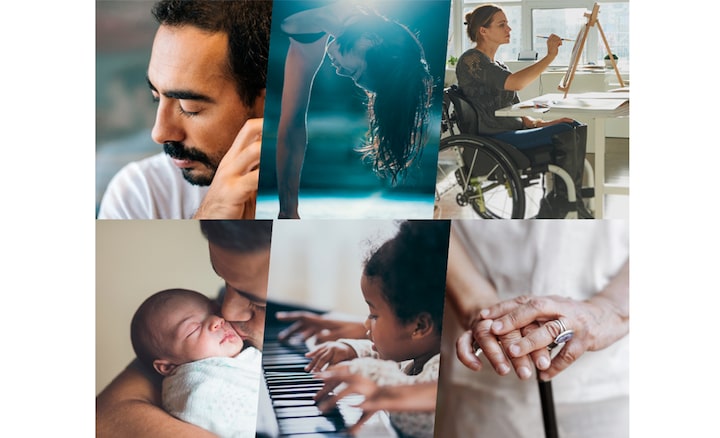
x=457, y=30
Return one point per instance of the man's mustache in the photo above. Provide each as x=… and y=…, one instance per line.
x=179, y=151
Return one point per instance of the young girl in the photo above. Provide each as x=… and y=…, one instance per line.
x=403, y=283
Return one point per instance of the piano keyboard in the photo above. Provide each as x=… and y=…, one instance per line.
x=291, y=392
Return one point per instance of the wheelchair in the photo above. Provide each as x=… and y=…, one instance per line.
x=496, y=179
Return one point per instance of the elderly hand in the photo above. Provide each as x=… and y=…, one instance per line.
x=233, y=191
x=326, y=327
x=597, y=323
x=480, y=340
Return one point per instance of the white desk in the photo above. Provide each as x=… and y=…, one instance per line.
x=590, y=108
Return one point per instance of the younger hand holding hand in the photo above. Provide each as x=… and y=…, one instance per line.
x=329, y=353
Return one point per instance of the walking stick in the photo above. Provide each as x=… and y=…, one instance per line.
x=548, y=409
x=546, y=395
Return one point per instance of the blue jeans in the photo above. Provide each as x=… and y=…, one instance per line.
x=531, y=138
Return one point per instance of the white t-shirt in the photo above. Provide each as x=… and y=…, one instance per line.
x=568, y=258
x=152, y=188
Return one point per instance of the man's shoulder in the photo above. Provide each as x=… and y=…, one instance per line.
x=150, y=374
x=154, y=167
x=151, y=188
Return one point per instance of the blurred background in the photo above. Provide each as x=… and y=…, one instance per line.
x=124, y=109
x=133, y=260
x=335, y=181
x=318, y=263
x=313, y=263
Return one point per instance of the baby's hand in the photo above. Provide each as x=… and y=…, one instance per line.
x=329, y=353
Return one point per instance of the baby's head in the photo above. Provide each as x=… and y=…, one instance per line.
x=404, y=285
x=176, y=326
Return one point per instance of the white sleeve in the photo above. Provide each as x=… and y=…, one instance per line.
x=382, y=372
x=152, y=188
x=388, y=372
x=128, y=196
x=362, y=347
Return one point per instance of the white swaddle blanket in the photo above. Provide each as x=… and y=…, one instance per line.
x=219, y=394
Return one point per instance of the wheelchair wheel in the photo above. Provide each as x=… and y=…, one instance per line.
x=486, y=178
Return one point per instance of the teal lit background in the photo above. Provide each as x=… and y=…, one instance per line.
x=337, y=124
x=333, y=171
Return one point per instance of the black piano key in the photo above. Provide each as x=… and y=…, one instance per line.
x=285, y=357
x=288, y=367
x=308, y=412
x=279, y=380
x=286, y=360
x=286, y=383
x=291, y=375
x=292, y=391
x=288, y=375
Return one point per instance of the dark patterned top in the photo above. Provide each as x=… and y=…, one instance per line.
x=482, y=82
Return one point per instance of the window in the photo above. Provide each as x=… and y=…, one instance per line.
x=529, y=18
x=565, y=23
x=615, y=22
x=506, y=52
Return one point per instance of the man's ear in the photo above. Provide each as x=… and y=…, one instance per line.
x=423, y=325
x=163, y=366
x=259, y=105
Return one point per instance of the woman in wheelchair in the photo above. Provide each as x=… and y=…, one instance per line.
x=489, y=86
x=384, y=59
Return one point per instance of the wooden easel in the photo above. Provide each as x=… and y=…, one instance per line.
x=592, y=20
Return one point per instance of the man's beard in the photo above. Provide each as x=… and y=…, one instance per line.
x=250, y=336
x=179, y=151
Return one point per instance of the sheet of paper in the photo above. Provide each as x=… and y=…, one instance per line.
x=604, y=95
x=589, y=103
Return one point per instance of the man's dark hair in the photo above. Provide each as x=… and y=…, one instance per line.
x=247, y=25
x=238, y=235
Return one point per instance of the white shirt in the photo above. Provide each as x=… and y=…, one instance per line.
x=575, y=259
x=544, y=257
x=152, y=188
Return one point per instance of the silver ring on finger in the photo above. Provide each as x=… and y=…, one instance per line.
x=565, y=334
x=476, y=349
